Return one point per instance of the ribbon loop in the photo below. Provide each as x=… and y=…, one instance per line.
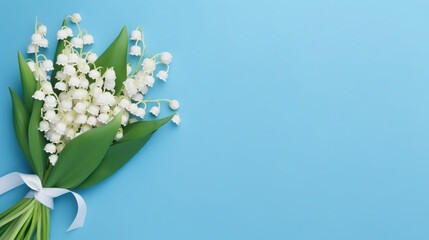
x=43, y=195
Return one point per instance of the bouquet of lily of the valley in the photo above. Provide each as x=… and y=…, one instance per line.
x=79, y=120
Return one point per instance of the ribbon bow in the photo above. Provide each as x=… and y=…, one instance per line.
x=43, y=195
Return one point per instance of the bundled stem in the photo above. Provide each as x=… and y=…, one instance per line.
x=24, y=220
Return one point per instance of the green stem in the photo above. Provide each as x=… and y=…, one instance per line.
x=39, y=227
x=16, y=213
x=13, y=207
x=24, y=228
x=47, y=222
x=45, y=177
x=19, y=223
x=33, y=222
x=4, y=228
x=8, y=231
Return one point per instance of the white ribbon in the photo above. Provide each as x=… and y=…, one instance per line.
x=44, y=195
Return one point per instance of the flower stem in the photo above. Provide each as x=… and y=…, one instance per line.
x=13, y=207
x=34, y=219
x=19, y=222
x=16, y=213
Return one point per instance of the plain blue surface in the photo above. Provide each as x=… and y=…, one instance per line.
x=302, y=119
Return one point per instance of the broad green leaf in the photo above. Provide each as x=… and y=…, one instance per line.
x=116, y=56
x=20, y=124
x=28, y=82
x=36, y=140
x=117, y=156
x=60, y=48
x=81, y=156
x=135, y=137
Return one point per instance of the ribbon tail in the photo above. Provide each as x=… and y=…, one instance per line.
x=10, y=181
x=79, y=220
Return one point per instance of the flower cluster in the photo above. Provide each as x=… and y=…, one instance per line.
x=82, y=96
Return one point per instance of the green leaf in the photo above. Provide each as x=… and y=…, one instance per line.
x=117, y=156
x=20, y=124
x=28, y=82
x=81, y=156
x=135, y=137
x=60, y=48
x=36, y=140
x=116, y=56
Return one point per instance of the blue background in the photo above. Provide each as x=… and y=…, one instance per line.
x=302, y=119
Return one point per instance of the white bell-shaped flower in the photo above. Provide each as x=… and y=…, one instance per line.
x=109, y=85
x=155, y=111
x=68, y=31
x=149, y=80
x=81, y=119
x=73, y=58
x=53, y=159
x=83, y=82
x=83, y=68
x=55, y=137
x=44, y=126
x=50, y=148
x=93, y=109
x=44, y=43
x=46, y=87
x=31, y=48
x=35, y=38
x=117, y=110
x=60, y=86
x=77, y=42
x=73, y=81
x=130, y=87
x=62, y=59
x=141, y=113
x=138, y=97
x=174, y=104
x=39, y=95
x=166, y=58
x=66, y=104
x=70, y=133
x=76, y=18
x=48, y=65
x=62, y=34
x=103, y=118
x=119, y=135
x=69, y=70
x=88, y=39
x=91, y=121
x=94, y=74
x=176, y=119
x=80, y=107
x=125, y=117
x=110, y=75
x=60, y=127
x=136, y=35
x=104, y=108
x=79, y=93
x=92, y=57
x=50, y=101
x=163, y=75
x=148, y=65
x=69, y=117
x=135, y=50
x=124, y=103
x=42, y=29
